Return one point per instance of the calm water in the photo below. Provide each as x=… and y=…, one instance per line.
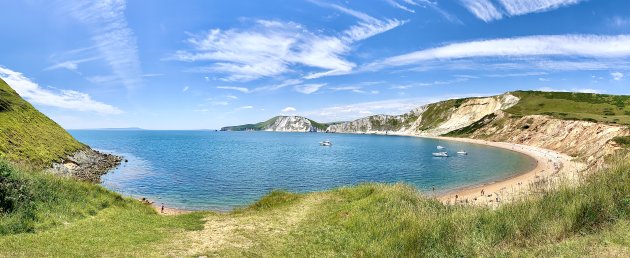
x=222, y=170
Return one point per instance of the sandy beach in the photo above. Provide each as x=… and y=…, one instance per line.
x=550, y=164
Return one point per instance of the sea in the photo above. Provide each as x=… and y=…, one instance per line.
x=220, y=171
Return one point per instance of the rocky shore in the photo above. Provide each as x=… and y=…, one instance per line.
x=87, y=164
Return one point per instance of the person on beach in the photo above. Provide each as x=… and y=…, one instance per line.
x=162, y=209
x=482, y=192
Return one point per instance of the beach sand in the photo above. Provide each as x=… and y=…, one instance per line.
x=551, y=166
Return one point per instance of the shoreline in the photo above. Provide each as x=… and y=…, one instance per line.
x=548, y=163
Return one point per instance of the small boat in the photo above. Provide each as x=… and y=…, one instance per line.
x=440, y=154
x=325, y=143
x=461, y=152
x=439, y=147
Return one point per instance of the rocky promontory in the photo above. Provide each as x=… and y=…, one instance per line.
x=87, y=164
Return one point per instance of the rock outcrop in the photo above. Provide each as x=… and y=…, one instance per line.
x=281, y=124
x=87, y=164
x=587, y=140
x=292, y=124
x=432, y=119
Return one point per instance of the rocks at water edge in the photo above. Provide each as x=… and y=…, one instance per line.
x=87, y=164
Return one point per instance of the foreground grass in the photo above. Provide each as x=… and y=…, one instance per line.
x=53, y=216
x=394, y=220
x=365, y=220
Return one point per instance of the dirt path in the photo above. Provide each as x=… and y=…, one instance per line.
x=242, y=231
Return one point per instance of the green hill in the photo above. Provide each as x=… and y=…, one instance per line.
x=28, y=136
x=253, y=127
x=574, y=106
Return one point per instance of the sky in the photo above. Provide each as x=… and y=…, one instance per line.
x=207, y=64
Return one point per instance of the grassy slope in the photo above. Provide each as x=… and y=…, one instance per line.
x=56, y=216
x=574, y=106
x=256, y=127
x=27, y=136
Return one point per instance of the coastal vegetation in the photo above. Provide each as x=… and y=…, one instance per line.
x=28, y=136
x=614, y=109
x=365, y=220
x=47, y=215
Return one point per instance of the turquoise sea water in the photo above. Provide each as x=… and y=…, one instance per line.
x=223, y=170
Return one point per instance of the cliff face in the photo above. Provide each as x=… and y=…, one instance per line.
x=588, y=140
x=291, y=124
x=281, y=124
x=432, y=119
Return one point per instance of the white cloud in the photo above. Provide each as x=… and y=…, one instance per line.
x=231, y=97
x=309, y=88
x=288, y=110
x=112, y=36
x=241, y=89
x=580, y=90
x=67, y=99
x=71, y=65
x=245, y=107
x=185, y=88
x=483, y=9
x=355, y=89
x=394, y=3
x=271, y=48
x=616, y=76
x=573, y=46
x=487, y=11
x=520, y=7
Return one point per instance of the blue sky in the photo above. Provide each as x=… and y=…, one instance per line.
x=207, y=64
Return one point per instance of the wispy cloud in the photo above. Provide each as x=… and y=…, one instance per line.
x=355, y=89
x=483, y=9
x=581, y=90
x=271, y=48
x=593, y=49
x=111, y=36
x=244, y=107
x=520, y=7
x=287, y=110
x=240, y=89
x=309, y=88
x=66, y=99
x=487, y=11
x=616, y=76
x=71, y=65
x=185, y=89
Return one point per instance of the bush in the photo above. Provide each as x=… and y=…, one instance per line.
x=13, y=191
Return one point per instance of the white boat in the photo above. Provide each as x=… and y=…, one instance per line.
x=461, y=152
x=439, y=147
x=440, y=154
x=325, y=143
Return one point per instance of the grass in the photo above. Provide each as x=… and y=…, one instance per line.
x=28, y=136
x=67, y=218
x=604, y=108
x=365, y=220
x=396, y=221
x=622, y=140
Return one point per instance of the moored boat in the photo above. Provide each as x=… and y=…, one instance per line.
x=440, y=154
x=325, y=143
